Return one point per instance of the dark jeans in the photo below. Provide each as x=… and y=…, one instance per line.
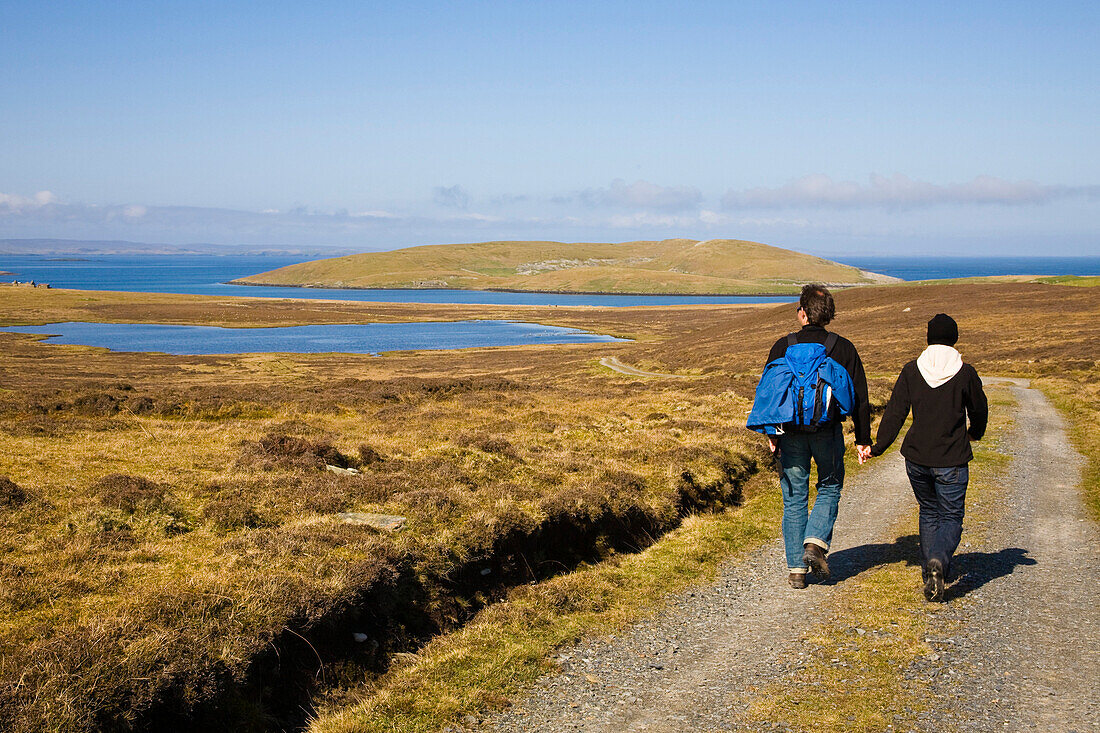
x=941, y=493
x=796, y=450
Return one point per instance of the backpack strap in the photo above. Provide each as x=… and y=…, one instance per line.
x=792, y=339
x=830, y=342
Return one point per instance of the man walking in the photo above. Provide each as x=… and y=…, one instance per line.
x=942, y=392
x=807, y=539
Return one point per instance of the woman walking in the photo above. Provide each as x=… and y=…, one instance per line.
x=942, y=393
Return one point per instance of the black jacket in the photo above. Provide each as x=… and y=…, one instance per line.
x=845, y=354
x=939, y=436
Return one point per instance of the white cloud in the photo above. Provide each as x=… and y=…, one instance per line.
x=892, y=209
x=378, y=214
x=478, y=217
x=14, y=202
x=644, y=219
x=454, y=197
x=899, y=191
x=642, y=195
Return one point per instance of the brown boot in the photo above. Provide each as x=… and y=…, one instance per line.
x=814, y=556
x=797, y=580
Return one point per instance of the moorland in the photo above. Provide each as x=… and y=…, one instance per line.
x=679, y=266
x=173, y=553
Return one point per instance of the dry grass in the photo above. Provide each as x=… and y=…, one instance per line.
x=1021, y=329
x=507, y=645
x=1077, y=396
x=168, y=546
x=169, y=535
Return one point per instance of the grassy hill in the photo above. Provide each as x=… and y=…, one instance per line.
x=669, y=266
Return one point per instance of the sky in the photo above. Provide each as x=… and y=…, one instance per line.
x=892, y=128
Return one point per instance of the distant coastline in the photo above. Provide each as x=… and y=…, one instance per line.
x=788, y=294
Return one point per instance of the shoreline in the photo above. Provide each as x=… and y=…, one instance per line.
x=835, y=286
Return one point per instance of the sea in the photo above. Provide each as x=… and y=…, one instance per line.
x=210, y=275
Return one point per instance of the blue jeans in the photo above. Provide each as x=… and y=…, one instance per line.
x=941, y=493
x=826, y=449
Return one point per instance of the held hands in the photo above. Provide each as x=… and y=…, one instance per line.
x=863, y=452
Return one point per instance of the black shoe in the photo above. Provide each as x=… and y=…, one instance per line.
x=814, y=556
x=797, y=580
x=933, y=584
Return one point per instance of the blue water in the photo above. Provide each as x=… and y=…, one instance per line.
x=364, y=338
x=207, y=275
x=937, y=268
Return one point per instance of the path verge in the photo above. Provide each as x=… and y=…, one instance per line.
x=695, y=666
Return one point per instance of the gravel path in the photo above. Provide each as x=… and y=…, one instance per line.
x=1016, y=646
x=694, y=666
x=1022, y=651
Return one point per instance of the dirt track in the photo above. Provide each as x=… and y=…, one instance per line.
x=1025, y=650
x=1024, y=618
x=614, y=364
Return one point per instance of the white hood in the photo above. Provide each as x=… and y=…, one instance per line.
x=938, y=364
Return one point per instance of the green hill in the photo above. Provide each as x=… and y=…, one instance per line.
x=715, y=266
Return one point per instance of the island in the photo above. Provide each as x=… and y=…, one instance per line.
x=666, y=267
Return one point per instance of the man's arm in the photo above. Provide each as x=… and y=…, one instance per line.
x=779, y=348
x=861, y=416
x=977, y=407
x=893, y=417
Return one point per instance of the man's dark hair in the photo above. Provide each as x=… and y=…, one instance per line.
x=817, y=303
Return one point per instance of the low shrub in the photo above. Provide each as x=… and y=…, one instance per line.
x=11, y=494
x=230, y=513
x=368, y=456
x=280, y=450
x=496, y=444
x=129, y=494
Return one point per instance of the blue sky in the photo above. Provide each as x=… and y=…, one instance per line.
x=833, y=127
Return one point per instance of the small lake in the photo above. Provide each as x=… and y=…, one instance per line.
x=362, y=338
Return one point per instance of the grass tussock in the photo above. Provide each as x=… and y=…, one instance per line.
x=278, y=450
x=12, y=495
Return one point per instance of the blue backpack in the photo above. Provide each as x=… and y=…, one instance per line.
x=798, y=391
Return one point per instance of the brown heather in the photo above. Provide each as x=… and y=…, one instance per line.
x=170, y=555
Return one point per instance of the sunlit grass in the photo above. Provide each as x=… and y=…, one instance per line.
x=508, y=645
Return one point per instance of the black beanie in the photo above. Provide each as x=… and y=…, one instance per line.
x=942, y=329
